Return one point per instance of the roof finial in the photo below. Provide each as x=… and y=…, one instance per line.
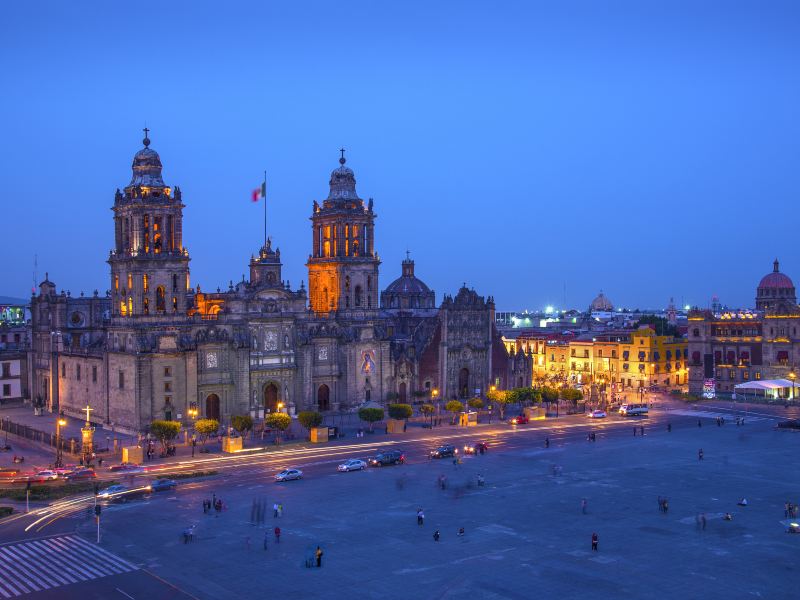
x=146, y=140
x=775, y=266
x=408, y=254
x=342, y=160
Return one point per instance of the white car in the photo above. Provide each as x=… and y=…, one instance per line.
x=597, y=414
x=354, y=464
x=47, y=475
x=289, y=474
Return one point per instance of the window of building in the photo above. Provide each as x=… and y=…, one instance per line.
x=146, y=306
x=160, y=299
x=174, y=304
x=94, y=374
x=600, y=353
x=731, y=374
x=63, y=371
x=130, y=281
x=745, y=374
x=174, y=282
x=6, y=370
x=78, y=372
x=145, y=283
x=116, y=283
x=167, y=386
x=6, y=389
x=167, y=371
x=122, y=380
x=758, y=374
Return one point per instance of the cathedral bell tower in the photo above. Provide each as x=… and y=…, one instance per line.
x=149, y=265
x=343, y=266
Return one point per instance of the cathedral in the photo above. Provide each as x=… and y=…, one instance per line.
x=154, y=347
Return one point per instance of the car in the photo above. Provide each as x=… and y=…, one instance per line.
x=82, y=474
x=162, y=485
x=8, y=473
x=789, y=424
x=519, y=420
x=476, y=448
x=597, y=414
x=354, y=464
x=65, y=470
x=47, y=475
x=289, y=474
x=390, y=457
x=444, y=451
x=112, y=490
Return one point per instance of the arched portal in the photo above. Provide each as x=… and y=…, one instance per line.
x=463, y=383
x=402, y=393
x=212, y=407
x=323, y=398
x=271, y=397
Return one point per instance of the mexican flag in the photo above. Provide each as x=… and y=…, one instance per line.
x=260, y=193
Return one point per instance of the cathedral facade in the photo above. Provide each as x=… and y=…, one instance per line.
x=154, y=347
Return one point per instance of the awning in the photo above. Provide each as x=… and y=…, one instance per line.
x=764, y=384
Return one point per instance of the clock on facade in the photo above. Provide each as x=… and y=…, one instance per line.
x=323, y=353
x=211, y=360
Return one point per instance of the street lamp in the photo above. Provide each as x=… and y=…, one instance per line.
x=792, y=376
x=193, y=414
x=60, y=422
x=280, y=406
x=435, y=398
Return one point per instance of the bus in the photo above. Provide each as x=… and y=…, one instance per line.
x=628, y=410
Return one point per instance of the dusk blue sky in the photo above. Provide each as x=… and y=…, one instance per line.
x=648, y=149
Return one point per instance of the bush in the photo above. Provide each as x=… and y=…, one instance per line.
x=192, y=475
x=6, y=511
x=242, y=423
x=279, y=421
x=400, y=411
x=370, y=415
x=165, y=431
x=309, y=419
x=205, y=428
x=476, y=403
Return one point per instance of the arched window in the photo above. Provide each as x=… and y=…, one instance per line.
x=323, y=398
x=130, y=305
x=358, y=295
x=146, y=306
x=174, y=282
x=160, y=299
x=355, y=248
x=174, y=304
x=145, y=283
x=116, y=283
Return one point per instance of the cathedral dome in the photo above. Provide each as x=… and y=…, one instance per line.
x=147, y=167
x=407, y=291
x=343, y=182
x=601, y=304
x=776, y=279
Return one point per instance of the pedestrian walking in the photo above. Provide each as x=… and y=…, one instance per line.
x=275, y=510
x=703, y=521
x=420, y=517
x=461, y=532
x=277, y=532
x=583, y=506
x=666, y=506
x=699, y=423
x=547, y=442
x=641, y=430
x=266, y=539
x=700, y=454
x=634, y=432
x=318, y=556
x=436, y=535
x=785, y=510
x=594, y=541
x=280, y=510
x=669, y=427
x=594, y=437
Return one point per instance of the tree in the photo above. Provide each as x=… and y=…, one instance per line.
x=659, y=324
x=279, y=421
x=370, y=415
x=572, y=395
x=455, y=407
x=501, y=398
x=400, y=411
x=476, y=403
x=309, y=419
x=165, y=432
x=205, y=428
x=242, y=423
x=549, y=394
x=428, y=410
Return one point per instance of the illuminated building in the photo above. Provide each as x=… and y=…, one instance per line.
x=154, y=347
x=733, y=347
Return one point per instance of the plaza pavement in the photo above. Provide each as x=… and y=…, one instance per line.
x=525, y=534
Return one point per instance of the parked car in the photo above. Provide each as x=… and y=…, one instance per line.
x=289, y=474
x=519, y=420
x=82, y=474
x=162, y=485
x=65, y=470
x=354, y=464
x=390, y=457
x=476, y=448
x=47, y=475
x=127, y=468
x=789, y=424
x=597, y=414
x=444, y=451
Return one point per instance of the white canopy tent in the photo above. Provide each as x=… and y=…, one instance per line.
x=767, y=388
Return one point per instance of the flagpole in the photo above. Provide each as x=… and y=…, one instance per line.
x=264, y=194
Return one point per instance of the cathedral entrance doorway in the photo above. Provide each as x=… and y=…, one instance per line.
x=402, y=393
x=212, y=407
x=271, y=397
x=323, y=398
x=463, y=383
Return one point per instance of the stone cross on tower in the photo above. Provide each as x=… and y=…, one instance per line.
x=88, y=409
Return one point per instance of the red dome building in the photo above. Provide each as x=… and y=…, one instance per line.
x=775, y=289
